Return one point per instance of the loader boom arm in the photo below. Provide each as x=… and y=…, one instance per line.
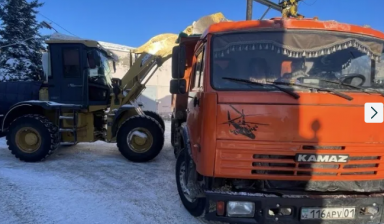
x=153, y=54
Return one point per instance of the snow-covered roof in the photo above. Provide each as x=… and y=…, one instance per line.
x=59, y=37
x=116, y=47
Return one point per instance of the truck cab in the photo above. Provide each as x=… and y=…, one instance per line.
x=269, y=122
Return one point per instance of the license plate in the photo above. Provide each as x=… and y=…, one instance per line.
x=328, y=213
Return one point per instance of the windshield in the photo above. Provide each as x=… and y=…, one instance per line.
x=319, y=58
x=99, y=68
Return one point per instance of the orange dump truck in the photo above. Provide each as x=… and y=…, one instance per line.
x=270, y=125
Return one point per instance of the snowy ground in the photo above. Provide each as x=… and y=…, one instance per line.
x=90, y=183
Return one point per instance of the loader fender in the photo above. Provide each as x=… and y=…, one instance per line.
x=123, y=113
x=20, y=109
x=31, y=107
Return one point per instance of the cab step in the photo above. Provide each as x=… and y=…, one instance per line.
x=73, y=129
x=66, y=118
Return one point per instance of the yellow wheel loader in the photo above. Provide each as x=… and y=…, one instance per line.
x=79, y=101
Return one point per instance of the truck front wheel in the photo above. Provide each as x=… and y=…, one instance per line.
x=195, y=206
x=32, y=138
x=140, y=138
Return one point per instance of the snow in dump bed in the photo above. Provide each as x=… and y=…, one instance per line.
x=90, y=183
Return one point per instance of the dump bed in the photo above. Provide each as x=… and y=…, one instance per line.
x=18, y=91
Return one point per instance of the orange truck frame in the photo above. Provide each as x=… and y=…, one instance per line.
x=268, y=123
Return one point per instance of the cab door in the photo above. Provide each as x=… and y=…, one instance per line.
x=68, y=74
x=195, y=101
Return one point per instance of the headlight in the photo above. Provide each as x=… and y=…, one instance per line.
x=240, y=209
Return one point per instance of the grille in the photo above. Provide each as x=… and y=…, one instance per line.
x=270, y=161
x=287, y=166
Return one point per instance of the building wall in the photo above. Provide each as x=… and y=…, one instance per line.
x=156, y=96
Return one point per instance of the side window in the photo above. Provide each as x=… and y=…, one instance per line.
x=202, y=67
x=71, y=62
x=199, y=70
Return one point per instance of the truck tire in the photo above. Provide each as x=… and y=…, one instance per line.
x=155, y=116
x=173, y=132
x=32, y=138
x=195, y=207
x=133, y=146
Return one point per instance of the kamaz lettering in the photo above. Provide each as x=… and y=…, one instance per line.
x=322, y=158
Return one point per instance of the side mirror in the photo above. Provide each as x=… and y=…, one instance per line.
x=178, y=61
x=178, y=86
x=357, y=81
x=114, y=67
x=354, y=79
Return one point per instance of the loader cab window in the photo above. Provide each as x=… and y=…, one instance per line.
x=99, y=76
x=71, y=62
x=99, y=68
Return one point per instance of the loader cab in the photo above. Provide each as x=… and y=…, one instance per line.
x=80, y=72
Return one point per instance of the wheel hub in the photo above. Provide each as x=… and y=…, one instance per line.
x=140, y=140
x=31, y=139
x=28, y=140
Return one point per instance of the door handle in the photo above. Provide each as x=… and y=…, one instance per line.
x=195, y=101
x=74, y=86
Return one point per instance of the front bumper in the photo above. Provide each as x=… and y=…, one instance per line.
x=263, y=203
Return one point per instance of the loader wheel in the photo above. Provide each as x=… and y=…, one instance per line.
x=195, y=206
x=32, y=138
x=140, y=138
x=155, y=116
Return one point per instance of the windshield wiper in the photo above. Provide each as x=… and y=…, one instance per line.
x=354, y=87
x=315, y=87
x=291, y=93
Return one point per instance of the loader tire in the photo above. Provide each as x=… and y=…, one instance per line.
x=32, y=138
x=131, y=143
x=195, y=207
x=155, y=116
